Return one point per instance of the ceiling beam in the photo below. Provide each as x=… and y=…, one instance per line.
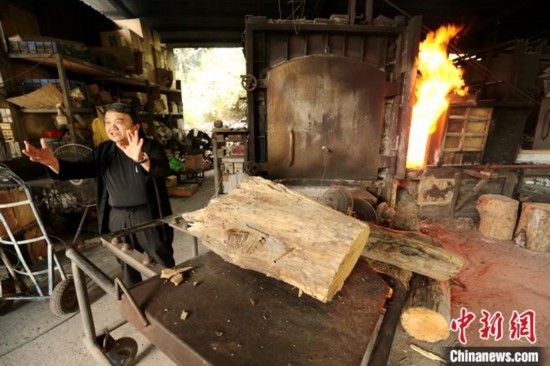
x=199, y=36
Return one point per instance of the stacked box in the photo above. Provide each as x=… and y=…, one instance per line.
x=121, y=38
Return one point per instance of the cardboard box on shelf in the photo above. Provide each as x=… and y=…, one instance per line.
x=148, y=54
x=105, y=97
x=119, y=58
x=160, y=59
x=156, y=40
x=121, y=38
x=140, y=96
x=164, y=77
x=149, y=72
x=138, y=26
x=159, y=106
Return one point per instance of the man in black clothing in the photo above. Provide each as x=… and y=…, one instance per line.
x=130, y=172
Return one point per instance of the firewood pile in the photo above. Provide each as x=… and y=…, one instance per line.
x=266, y=227
x=498, y=217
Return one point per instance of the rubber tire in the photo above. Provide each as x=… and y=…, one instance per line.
x=123, y=351
x=63, y=300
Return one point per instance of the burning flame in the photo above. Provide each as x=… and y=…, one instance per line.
x=439, y=77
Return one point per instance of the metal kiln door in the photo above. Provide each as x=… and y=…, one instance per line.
x=324, y=119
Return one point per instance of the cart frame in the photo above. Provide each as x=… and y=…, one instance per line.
x=9, y=180
x=82, y=266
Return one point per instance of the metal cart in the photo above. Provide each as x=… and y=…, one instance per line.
x=15, y=284
x=223, y=314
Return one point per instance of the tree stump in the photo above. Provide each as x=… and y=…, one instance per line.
x=498, y=216
x=427, y=313
x=534, y=221
x=266, y=227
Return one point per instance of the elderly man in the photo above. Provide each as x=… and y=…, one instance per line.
x=129, y=171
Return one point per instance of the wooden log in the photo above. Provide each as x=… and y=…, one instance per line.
x=427, y=312
x=266, y=227
x=534, y=225
x=497, y=216
x=401, y=275
x=412, y=251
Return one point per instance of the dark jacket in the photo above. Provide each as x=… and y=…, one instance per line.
x=93, y=166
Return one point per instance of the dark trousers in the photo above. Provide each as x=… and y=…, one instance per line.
x=147, y=240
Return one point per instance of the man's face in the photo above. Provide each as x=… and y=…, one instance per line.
x=116, y=125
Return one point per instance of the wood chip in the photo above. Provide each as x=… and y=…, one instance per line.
x=171, y=272
x=300, y=293
x=184, y=315
x=196, y=283
x=177, y=279
x=252, y=302
x=430, y=355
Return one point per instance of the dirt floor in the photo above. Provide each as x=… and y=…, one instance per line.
x=497, y=276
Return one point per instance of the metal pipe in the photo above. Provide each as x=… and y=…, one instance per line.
x=134, y=259
x=100, y=278
x=83, y=302
x=384, y=339
x=28, y=271
x=90, y=339
x=7, y=263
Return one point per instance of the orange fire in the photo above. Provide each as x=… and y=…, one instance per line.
x=439, y=77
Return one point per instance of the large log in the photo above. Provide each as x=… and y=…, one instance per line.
x=427, y=312
x=497, y=216
x=264, y=226
x=412, y=251
x=534, y=225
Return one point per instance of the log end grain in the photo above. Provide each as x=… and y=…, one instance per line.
x=497, y=216
x=425, y=324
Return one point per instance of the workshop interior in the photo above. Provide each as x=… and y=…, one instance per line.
x=386, y=167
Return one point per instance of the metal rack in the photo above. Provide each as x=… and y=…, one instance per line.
x=229, y=163
x=10, y=181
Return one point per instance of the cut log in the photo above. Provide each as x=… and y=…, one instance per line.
x=266, y=227
x=534, y=225
x=412, y=251
x=497, y=216
x=427, y=312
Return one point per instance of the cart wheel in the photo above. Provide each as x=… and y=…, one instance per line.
x=8, y=287
x=123, y=351
x=63, y=300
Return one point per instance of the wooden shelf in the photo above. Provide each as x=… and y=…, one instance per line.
x=54, y=111
x=83, y=67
